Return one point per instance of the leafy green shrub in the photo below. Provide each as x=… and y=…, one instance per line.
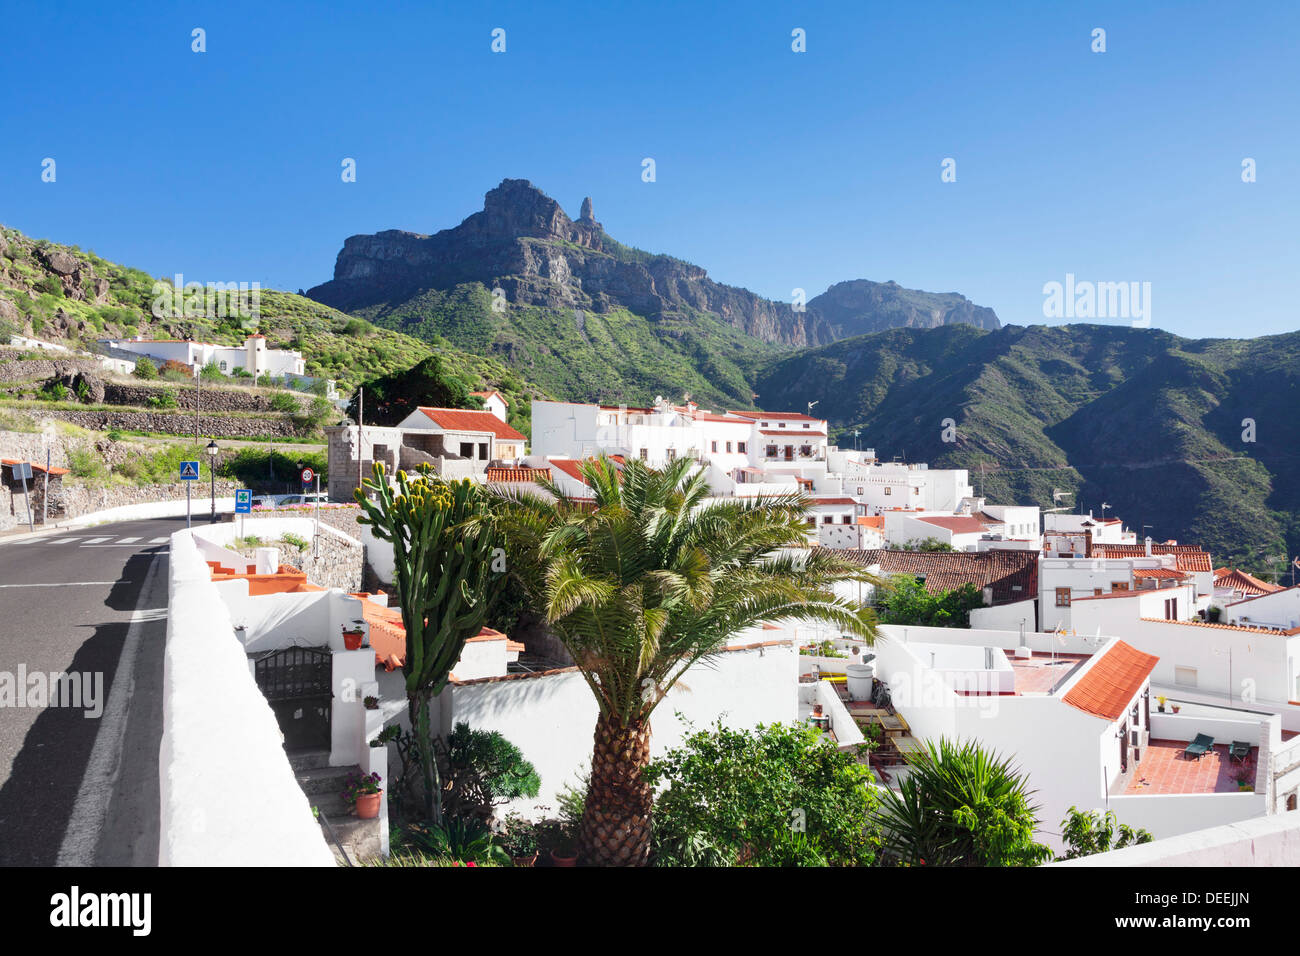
x=84, y=463
x=906, y=601
x=1087, y=833
x=145, y=369
x=294, y=541
x=960, y=805
x=284, y=402
x=484, y=770
x=211, y=372
x=83, y=391
x=241, y=372
x=114, y=434
x=357, y=327
x=773, y=796
x=50, y=285
x=162, y=400
x=55, y=392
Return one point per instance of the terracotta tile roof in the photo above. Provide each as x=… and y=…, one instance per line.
x=958, y=524
x=1002, y=569
x=1159, y=573
x=515, y=474
x=489, y=395
x=872, y=521
x=1187, y=557
x=834, y=501
x=55, y=470
x=776, y=416
x=713, y=417
x=1227, y=627
x=1241, y=581
x=1108, y=687
x=464, y=420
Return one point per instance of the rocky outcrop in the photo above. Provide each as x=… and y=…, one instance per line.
x=859, y=306
x=522, y=242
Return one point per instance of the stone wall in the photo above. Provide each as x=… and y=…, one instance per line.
x=211, y=399
x=28, y=370
x=336, y=564
x=178, y=423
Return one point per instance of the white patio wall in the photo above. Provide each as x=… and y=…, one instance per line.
x=1266, y=841
x=1005, y=617
x=228, y=794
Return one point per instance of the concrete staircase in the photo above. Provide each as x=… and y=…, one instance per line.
x=323, y=786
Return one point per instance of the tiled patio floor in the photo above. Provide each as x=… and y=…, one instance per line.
x=1038, y=674
x=1164, y=769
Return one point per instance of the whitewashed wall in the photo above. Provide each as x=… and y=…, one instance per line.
x=1005, y=617
x=1262, y=841
x=228, y=795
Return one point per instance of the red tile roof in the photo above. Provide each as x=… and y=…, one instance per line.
x=1159, y=573
x=1241, y=581
x=515, y=474
x=958, y=524
x=1187, y=557
x=55, y=470
x=1258, y=596
x=1108, y=687
x=490, y=394
x=1228, y=627
x=779, y=416
x=464, y=420
x=1002, y=569
x=834, y=501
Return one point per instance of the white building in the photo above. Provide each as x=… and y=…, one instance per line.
x=253, y=356
x=493, y=402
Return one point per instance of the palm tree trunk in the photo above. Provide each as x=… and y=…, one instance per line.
x=616, y=820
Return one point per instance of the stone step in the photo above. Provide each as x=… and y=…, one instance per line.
x=360, y=838
x=324, y=780
x=309, y=759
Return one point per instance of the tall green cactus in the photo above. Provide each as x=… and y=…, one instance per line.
x=445, y=581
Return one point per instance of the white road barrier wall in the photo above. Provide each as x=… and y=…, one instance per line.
x=228, y=794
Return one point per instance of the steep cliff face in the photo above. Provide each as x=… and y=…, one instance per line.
x=524, y=243
x=858, y=306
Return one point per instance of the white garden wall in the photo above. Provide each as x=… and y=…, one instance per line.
x=228, y=794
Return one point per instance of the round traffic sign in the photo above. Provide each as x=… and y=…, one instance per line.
x=307, y=476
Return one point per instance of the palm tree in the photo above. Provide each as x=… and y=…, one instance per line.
x=644, y=581
x=960, y=805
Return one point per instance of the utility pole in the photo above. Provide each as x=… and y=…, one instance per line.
x=197, y=387
x=361, y=415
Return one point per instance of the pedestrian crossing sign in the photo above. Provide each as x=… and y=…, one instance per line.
x=189, y=471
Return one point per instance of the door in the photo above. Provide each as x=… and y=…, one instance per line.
x=296, y=683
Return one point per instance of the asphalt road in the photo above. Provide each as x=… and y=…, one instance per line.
x=79, y=784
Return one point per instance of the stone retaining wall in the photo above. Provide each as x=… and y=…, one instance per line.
x=211, y=399
x=178, y=423
x=337, y=563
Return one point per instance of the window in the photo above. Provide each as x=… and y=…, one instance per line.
x=805, y=450
x=888, y=490
x=672, y=454
x=223, y=366
x=916, y=491
x=728, y=448
x=1185, y=676
x=846, y=520
x=483, y=451
x=812, y=522
x=713, y=447
x=742, y=448
x=771, y=451
x=467, y=449
x=1096, y=591
x=805, y=425
x=645, y=453
x=1062, y=597
x=1119, y=585
x=826, y=519
x=859, y=491
x=1171, y=609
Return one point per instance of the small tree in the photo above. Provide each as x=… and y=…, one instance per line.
x=446, y=572
x=906, y=601
x=146, y=369
x=960, y=805
x=774, y=796
x=484, y=770
x=211, y=372
x=1087, y=833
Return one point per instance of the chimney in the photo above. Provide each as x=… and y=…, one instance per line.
x=1148, y=543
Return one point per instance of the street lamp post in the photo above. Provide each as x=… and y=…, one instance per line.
x=212, y=477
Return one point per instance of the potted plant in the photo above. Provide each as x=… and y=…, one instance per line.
x=1175, y=707
x=1160, y=703
x=561, y=846
x=352, y=635
x=363, y=793
x=519, y=836
x=371, y=702
x=817, y=710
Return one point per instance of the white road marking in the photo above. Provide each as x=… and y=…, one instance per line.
x=162, y=540
x=81, y=838
x=127, y=540
x=63, y=540
x=94, y=540
x=57, y=584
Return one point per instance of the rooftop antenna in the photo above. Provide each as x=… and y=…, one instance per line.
x=810, y=406
x=1104, y=506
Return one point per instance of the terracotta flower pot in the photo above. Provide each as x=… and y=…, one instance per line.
x=817, y=710
x=525, y=861
x=352, y=640
x=368, y=805
x=558, y=860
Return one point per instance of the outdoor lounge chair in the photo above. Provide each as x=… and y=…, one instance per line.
x=1240, y=750
x=1199, y=747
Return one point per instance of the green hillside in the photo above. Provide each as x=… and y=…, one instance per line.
x=1143, y=420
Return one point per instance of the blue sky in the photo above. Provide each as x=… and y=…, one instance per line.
x=775, y=170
